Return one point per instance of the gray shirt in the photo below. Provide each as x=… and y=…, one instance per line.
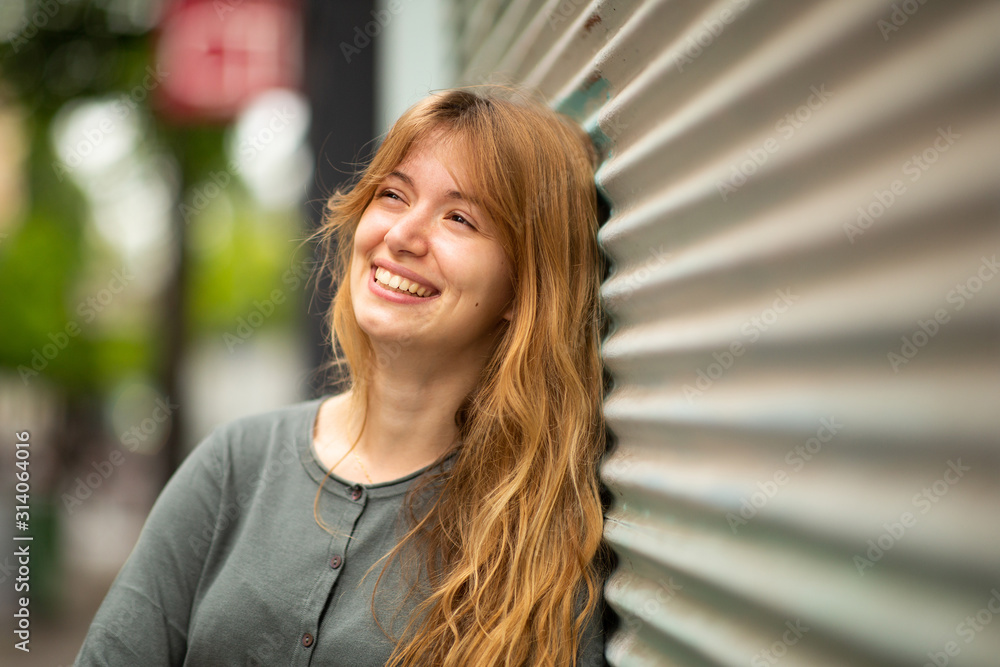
x=231, y=567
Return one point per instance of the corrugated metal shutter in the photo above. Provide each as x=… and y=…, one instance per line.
x=805, y=294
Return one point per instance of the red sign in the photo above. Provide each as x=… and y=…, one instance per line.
x=219, y=54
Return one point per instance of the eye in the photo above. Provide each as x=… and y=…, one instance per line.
x=390, y=194
x=461, y=219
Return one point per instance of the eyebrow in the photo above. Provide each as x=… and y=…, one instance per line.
x=451, y=194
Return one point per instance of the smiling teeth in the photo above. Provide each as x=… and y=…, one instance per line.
x=388, y=279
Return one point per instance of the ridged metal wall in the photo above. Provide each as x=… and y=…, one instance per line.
x=806, y=302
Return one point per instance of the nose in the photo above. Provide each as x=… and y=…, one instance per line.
x=409, y=233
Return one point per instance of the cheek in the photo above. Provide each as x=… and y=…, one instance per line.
x=500, y=283
x=504, y=272
x=506, y=288
x=366, y=236
x=366, y=239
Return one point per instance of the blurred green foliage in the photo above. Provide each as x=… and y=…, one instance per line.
x=77, y=55
x=226, y=279
x=40, y=71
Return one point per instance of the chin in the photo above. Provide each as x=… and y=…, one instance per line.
x=382, y=328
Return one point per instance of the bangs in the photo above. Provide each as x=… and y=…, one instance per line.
x=481, y=176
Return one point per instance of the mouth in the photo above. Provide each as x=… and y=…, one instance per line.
x=401, y=285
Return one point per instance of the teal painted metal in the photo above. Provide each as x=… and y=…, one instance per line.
x=805, y=347
x=581, y=105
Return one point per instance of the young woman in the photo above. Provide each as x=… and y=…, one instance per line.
x=444, y=509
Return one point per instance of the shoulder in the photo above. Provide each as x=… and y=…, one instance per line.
x=248, y=441
x=284, y=421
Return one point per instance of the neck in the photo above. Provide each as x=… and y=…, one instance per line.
x=410, y=413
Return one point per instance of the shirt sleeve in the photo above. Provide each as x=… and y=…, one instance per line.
x=144, y=618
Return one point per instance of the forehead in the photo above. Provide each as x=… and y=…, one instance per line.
x=444, y=156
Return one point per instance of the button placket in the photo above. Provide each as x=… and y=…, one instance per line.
x=348, y=505
x=338, y=547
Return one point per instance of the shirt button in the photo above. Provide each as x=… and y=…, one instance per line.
x=335, y=562
x=307, y=640
x=355, y=492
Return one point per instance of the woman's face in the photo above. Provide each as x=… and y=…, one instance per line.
x=427, y=268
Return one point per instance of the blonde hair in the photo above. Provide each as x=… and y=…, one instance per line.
x=510, y=545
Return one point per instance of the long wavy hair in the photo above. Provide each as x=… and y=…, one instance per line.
x=511, y=546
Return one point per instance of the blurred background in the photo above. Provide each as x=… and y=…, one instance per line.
x=162, y=163
x=803, y=238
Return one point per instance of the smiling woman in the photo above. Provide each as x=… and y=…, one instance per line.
x=419, y=231
x=455, y=510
